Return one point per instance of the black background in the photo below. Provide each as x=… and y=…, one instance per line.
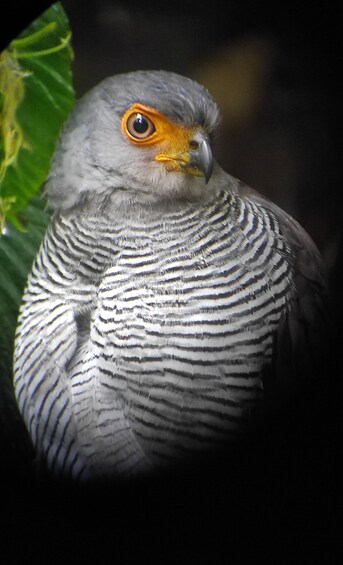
x=275, y=497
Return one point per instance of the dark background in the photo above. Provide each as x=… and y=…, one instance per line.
x=275, y=71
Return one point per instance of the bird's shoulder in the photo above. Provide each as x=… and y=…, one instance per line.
x=308, y=262
x=302, y=340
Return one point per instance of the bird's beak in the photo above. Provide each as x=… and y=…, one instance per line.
x=200, y=156
x=195, y=157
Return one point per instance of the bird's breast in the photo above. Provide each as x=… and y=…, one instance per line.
x=184, y=328
x=173, y=315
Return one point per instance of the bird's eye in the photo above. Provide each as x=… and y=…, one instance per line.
x=139, y=126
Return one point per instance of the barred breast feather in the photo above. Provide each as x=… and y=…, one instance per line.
x=143, y=337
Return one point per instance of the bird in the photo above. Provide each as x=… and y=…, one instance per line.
x=169, y=305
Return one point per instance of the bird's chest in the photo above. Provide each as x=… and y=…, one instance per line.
x=198, y=297
x=182, y=330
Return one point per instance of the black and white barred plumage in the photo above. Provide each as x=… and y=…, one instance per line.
x=156, y=304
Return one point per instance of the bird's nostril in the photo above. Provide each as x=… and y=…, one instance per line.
x=193, y=144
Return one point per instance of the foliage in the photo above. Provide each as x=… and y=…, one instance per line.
x=36, y=95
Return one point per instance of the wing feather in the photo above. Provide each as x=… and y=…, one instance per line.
x=46, y=341
x=302, y=341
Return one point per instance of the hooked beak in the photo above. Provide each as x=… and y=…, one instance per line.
x=196, y=159
x=200, y=156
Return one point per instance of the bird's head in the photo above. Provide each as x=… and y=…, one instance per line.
x=147, y=133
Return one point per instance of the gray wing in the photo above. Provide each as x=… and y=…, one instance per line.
x=302, y=339
x=46, y=339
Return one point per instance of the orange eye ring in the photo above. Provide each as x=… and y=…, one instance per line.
x=139, y=126
x=146, y=126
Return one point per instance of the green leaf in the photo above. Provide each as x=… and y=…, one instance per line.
x=17, y=251
x=36, y=95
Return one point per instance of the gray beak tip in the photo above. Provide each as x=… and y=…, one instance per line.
x=201, y=157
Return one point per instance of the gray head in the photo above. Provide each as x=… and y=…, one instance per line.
x=145, y=132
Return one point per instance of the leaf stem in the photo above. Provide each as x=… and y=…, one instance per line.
x=35, y=36
x=40, y=53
